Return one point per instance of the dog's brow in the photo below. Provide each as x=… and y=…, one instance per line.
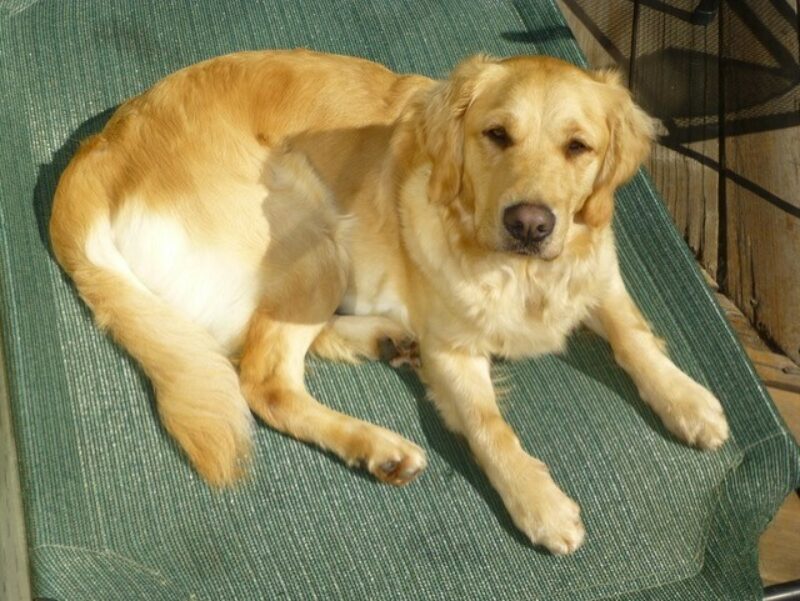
x=502, y=117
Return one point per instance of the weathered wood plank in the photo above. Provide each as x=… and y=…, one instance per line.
x=762, y=187
x=690, y=192
x=14, y=576
x=776, y=370
x=779, y=546
x=744, y=329
x=675, y=75
x=602, y=30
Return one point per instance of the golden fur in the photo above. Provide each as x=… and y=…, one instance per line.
x=222, y=217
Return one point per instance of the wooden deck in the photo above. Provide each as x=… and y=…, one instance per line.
x=779, y=548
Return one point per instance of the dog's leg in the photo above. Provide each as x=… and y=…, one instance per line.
x=462, y=388
x=687, y=409
x=271, y=371
x=351, y=337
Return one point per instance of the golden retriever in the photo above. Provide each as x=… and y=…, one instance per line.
x=256, y=206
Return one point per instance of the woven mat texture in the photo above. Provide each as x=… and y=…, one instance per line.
x=112, y=509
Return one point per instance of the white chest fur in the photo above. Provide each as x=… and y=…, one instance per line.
x=520, y=309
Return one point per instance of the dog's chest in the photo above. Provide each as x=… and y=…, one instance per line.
x=517, y=313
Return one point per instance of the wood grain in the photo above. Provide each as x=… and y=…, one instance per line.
x=602, y=30
x=675, y=74
x=763, y=240
x=779, y=546
x=14, y=574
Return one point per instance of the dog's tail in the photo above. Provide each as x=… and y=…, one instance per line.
x=197, y=389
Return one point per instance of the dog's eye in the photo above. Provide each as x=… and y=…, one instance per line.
x=576, y=147
x=499, y=136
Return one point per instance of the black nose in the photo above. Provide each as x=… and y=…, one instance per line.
x=529, y=222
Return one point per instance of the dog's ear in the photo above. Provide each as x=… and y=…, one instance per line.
x=631, y=134
x=443, y=125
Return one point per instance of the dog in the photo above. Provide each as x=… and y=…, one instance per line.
x=257, y=206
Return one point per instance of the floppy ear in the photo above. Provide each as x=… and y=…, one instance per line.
x=443, y=126
x=632, y=133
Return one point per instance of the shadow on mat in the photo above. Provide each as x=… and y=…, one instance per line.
x=50, y=173
x=603, y=369
x=455, y=451
x=43, y=193
x=538, y=36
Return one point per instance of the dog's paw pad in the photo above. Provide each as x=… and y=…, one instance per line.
x=406, y=463
x=398, y=472
x=705, y=431
x=398, y=353
x=399, y=478
x=388, y=468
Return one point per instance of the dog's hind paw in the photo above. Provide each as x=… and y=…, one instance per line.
x=398, y=353
x=395, y=460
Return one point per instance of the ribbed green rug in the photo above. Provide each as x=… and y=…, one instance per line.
x=114, y=512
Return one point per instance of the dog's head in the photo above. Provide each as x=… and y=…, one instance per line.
x=524, y=147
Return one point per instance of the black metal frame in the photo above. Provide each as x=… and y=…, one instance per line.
x=786, y=591
x=705, y=12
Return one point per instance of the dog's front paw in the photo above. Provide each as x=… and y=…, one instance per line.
x=695, y=416
x=544, y=513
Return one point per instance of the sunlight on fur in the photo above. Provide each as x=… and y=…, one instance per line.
x=256, y=206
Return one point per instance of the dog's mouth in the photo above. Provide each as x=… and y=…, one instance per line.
x=538, y=250
x=528, y=249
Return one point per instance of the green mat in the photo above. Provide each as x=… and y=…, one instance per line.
x=112, y=509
